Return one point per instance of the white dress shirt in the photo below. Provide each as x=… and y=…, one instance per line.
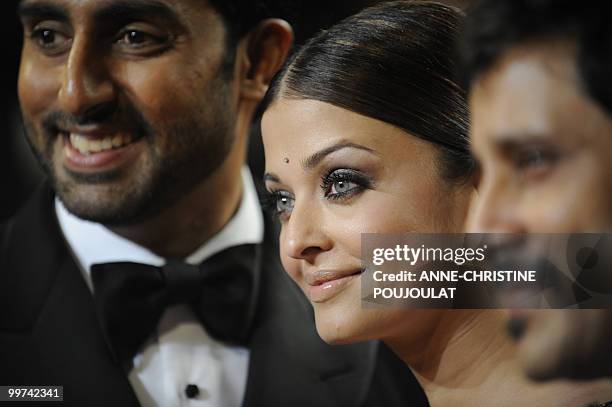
x=180, y=352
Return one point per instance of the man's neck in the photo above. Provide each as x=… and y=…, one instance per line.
x=196, y=217
x=183, y=227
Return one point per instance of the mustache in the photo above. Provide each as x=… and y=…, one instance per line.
x=126, y=117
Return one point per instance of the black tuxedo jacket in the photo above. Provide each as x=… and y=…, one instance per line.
x=49, y=333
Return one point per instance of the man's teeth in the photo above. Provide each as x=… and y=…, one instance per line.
x=88, y=146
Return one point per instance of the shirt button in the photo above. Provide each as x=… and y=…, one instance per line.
x=192, y=391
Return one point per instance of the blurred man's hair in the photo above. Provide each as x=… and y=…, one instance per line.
x=494, y=26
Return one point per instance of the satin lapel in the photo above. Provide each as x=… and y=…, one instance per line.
x=290, y=364
x=51, y=334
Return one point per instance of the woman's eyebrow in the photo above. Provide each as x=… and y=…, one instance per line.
x=268, y=176
x=312, y=161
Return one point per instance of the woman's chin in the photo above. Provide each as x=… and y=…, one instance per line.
x=342, y=326
x=333, y=336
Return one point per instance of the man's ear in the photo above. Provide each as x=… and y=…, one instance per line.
x=266, y=50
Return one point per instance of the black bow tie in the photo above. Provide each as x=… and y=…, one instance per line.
x=130, y=298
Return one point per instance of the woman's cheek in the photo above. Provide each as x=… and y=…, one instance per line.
x=292, y=267
x=377, y=215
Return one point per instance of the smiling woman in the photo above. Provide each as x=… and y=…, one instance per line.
x=366, y=132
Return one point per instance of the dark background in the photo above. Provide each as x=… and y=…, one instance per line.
x=19, y=173
x=15, y=185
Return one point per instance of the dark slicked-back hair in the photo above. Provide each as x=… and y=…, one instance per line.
x=393, y=62
x=494, y=26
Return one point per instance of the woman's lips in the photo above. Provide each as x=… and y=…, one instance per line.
x=323, y=285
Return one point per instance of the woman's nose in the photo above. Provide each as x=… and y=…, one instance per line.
x=304, y=234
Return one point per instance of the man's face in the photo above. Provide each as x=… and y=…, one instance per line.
x=543, y=146
x=127, y=103
x=544, y=149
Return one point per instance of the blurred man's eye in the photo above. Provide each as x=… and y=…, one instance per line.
x=534, y=161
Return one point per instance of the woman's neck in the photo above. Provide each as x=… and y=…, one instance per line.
x=467, y=360
x=462, y=351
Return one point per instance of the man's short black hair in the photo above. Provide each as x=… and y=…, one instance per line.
x=493, y=26
x=240, y=16
x=305, y=16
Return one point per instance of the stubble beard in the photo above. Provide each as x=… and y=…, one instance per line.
x=196, y=146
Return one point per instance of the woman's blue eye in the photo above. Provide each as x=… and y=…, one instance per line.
x=344, y=183
x=279, y=202
x=284, y=203
x=342, y=187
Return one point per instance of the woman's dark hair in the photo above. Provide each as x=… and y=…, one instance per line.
x=494, y=26
x=393, y=62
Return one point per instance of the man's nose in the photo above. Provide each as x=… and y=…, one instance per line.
x=495, y=209
x=304, y=235
x=87, y=81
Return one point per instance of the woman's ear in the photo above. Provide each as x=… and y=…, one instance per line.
x=265, y=51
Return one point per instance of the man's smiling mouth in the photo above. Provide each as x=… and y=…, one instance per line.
x=87, y=145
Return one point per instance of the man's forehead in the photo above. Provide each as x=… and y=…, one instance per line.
x=178, y=3
x=523, y=92
x=530, y=70
x=117, y=7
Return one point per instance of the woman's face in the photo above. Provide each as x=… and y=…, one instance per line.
x=334, y=174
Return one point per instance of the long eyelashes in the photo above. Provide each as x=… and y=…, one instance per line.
x=342, y=183
x=338, y=185
x=279, y=202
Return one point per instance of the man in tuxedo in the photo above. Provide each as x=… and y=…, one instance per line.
x=143, y=271
x=541, y=115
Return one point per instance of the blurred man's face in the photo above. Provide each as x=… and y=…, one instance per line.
x=121, y=97
x=544, y=147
